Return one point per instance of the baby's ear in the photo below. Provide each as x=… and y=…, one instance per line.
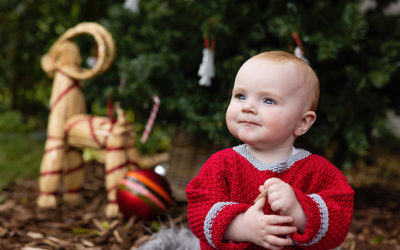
x=305, y=123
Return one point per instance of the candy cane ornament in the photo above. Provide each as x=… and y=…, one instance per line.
x=152, y=117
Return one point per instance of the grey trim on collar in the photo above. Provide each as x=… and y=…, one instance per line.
x=278, y=166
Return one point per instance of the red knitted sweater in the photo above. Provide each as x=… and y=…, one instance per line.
x=228, y=184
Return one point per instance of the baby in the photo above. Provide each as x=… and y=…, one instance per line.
x=308, y=202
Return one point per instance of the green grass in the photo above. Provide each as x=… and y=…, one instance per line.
x=20, y=156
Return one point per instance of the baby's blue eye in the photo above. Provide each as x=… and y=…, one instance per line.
x=240, y=97
x=269, y=101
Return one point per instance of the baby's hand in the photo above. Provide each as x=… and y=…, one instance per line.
x=281, y=196
x=264, y=230
x=282, y=199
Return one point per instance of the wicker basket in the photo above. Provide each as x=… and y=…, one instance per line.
x=187, y=156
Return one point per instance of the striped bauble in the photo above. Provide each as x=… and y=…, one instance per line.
x=143, y=193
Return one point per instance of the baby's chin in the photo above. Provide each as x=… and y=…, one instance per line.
x=243, y=136
x=254, y=143
x=249, y=141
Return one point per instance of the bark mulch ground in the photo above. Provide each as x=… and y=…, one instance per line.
x=376, y=223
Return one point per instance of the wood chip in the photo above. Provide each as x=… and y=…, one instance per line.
x=7, y=205
x=58, y=241
x=88, y=216
x=3, y=231
x=179, y=219
x=130, y=222
x=117, y=236
x=32, y=248
x=141, y=240
x=114, y=223
x=50, y=243
x=87, y=243
x=34, y=235
x=99, y=226
x=353, y=245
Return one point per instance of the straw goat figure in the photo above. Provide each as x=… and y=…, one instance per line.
x=70, y=129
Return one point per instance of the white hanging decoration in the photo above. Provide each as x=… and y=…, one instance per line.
x=206, y=69
x=299, y=50
x=300, y=54
x=132, y=5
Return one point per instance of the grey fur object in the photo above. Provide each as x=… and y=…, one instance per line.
x=171, y=238
x=174, y=238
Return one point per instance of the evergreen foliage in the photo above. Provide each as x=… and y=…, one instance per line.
x=355, y=53
x=28, y=28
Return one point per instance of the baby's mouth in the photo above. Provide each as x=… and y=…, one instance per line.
x=249, y=123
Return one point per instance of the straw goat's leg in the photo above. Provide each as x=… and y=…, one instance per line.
x=73, y=175
x=116, y=162
x=50, y=172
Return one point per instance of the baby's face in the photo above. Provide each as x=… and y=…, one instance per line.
x=268, y=101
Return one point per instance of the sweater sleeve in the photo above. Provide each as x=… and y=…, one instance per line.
x=328, y=205
x=210, y=209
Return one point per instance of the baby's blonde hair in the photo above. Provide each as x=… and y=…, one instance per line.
x=284, y=57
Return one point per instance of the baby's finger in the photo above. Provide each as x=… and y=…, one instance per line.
x=266, y=245
x=274, y=187
x=277, y=204
x=278, y=219
x=278, y=242
x=282, y=230
x=274, y=196
x=271, y=181
x=270, y=247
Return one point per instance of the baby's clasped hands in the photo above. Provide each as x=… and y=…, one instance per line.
x=282, y=198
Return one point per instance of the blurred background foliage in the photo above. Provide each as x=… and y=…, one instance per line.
x=354, y=49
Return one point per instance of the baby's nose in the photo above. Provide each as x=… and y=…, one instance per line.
x=249, y=107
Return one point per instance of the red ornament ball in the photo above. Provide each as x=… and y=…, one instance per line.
x=143, y=193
